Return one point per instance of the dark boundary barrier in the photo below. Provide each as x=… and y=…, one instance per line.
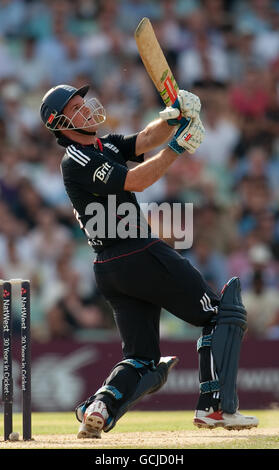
x=66, y=372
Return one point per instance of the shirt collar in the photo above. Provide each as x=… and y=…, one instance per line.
x=65, y=142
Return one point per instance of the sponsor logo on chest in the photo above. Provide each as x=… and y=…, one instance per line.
x=103, y=172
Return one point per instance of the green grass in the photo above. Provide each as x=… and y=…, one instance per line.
x=265, y=437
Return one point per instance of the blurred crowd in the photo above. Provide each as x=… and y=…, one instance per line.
x=225, y=51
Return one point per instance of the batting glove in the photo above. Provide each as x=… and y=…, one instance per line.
x=190, y=105
x=188, y=137
x=186, y=105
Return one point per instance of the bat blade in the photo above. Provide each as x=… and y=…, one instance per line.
x=155, y=62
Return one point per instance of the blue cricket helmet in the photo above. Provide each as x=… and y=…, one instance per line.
x=55, y=101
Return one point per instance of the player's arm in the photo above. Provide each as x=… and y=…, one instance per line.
x=153, y=135
x=145, y=174
x=187, y=138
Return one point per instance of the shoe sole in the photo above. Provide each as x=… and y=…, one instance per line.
x=229, y=427
x=94, y=423
x=88, y=435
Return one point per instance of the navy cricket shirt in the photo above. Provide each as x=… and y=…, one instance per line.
x=93, y=174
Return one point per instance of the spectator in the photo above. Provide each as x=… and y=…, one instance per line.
x=7, y=62
x=210, y=263
x=32, y=70
x=205, y=60
x=260, y=259
x=250, y=98
x=255, y=14
x=219, y=225
x=256, y=165
x=74, y=63
x=10, y=176
x=15, y=264
x=256, y=199
x=104, y=46
x=14, y=248
x=12, y=17
x=131, y=12
x=262, y=304
x=29, y=204
x=20, y=119
x=48, y=183
x=48, y=238
x=221, y=135
x=241, y=52
x=266, y=44
x=52, y=49
x=72, y=312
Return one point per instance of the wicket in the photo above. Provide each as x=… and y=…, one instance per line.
x=7, y=381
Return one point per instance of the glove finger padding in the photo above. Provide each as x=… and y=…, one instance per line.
x=170, y=113
x=188, y=137
x=189, y=104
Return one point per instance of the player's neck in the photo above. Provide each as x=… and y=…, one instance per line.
x=81, y=138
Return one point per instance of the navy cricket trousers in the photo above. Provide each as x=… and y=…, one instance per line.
x=138, y=278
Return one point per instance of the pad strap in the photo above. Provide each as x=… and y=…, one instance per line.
x=111, y=391
x=210, y=386
x=137, y=363
x=204, y=342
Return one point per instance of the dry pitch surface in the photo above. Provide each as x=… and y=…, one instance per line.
x=144, y=430
x=202, y=439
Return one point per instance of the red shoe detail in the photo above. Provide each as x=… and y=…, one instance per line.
x=95, y=413
x=217, y=415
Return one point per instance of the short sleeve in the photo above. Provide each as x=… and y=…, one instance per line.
x=127, y=146
x=99, y=175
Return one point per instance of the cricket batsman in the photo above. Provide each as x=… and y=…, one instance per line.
x=139, y=275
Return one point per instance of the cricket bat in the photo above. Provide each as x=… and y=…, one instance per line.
x=155, y=62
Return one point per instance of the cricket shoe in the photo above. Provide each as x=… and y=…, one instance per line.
x=213, y=419
x=93, y=421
